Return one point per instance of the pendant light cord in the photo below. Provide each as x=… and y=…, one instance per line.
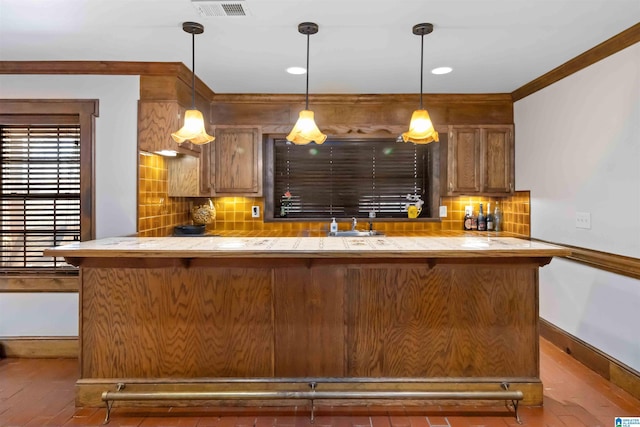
x=421, y=66
x=306, y=105
x=193, y=71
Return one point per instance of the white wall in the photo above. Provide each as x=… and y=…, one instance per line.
x=48, y=314
x=578, y=150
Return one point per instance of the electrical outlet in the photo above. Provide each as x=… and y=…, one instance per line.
x=583, y=220
x=255, y=211
x=443, y=211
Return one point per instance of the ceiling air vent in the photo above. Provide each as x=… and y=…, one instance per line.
x=209, y=8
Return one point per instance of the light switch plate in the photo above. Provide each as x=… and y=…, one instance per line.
x=443, y=211
x=583, y=220
x=255, y=211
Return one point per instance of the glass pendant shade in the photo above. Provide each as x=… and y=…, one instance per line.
x=421, y=129
x=193, y=129
x=306, y=130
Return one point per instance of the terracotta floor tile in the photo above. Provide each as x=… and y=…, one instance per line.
x=41, y=392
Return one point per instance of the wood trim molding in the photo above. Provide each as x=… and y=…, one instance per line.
x=626, y=266
x=39, y=347
x=175, y=69
x=91, y=67
x=607, y=48
x=39, y=283
x=432, y=99
x=616, y=372
x=619, y=264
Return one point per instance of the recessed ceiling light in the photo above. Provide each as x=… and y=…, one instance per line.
x=296, y=70
x=442, y=70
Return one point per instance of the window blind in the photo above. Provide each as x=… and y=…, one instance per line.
x=349, y=178
x=40, y=194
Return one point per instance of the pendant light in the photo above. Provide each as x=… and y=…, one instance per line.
x=305, y=129
x=421, y=129
x=193, y=129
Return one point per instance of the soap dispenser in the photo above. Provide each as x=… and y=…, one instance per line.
x=334, y=226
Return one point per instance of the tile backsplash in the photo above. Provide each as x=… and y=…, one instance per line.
x=234, y=214
x=158, y=213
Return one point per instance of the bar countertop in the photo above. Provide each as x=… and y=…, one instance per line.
x=309, y=247
x=377, y=313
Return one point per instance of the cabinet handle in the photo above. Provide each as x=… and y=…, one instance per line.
x=450, y=186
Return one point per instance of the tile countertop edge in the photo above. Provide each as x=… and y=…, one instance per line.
x=309, y=247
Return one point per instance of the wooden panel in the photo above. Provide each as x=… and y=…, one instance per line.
x=464, y=161
x=309, y=329
x=498, y=160
x=184, y=176
x=444, y=322
x=353, y=111
x=158, y=88
x=176, y=322
x=39, y=283
x=237, y=161
x=249, y=114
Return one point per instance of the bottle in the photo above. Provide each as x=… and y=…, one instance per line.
x=489, y=218
x=497, y=218
x=482, y=220
x=474, y=220
x=466, y=224
x=334, y=226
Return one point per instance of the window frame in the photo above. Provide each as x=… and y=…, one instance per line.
x=31, y=111
x=269, y=182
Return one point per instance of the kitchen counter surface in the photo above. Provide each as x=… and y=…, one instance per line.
x=309, y=247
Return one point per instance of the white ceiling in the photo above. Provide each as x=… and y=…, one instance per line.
x=363, y=46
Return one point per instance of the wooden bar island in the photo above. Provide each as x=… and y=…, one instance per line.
x=207, y=314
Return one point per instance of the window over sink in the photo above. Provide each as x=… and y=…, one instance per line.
x=346, y=178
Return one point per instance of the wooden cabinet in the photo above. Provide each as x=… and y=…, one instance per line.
x=184, y=177
x=236, y=161
x=156, y=122
x=478, y=160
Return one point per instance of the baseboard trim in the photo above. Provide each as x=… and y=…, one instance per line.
x=39, y=347
x=616, y=372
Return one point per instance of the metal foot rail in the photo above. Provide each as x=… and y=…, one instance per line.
x=109, y=397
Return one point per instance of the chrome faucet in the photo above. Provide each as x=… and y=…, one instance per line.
x=354, y=222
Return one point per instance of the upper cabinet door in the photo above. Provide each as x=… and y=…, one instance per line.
x=478, y=160
x=498, y=160
x=156, y=122
x=463, y=165
x=236, y=161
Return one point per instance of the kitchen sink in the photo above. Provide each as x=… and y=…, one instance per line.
x=355, y=233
